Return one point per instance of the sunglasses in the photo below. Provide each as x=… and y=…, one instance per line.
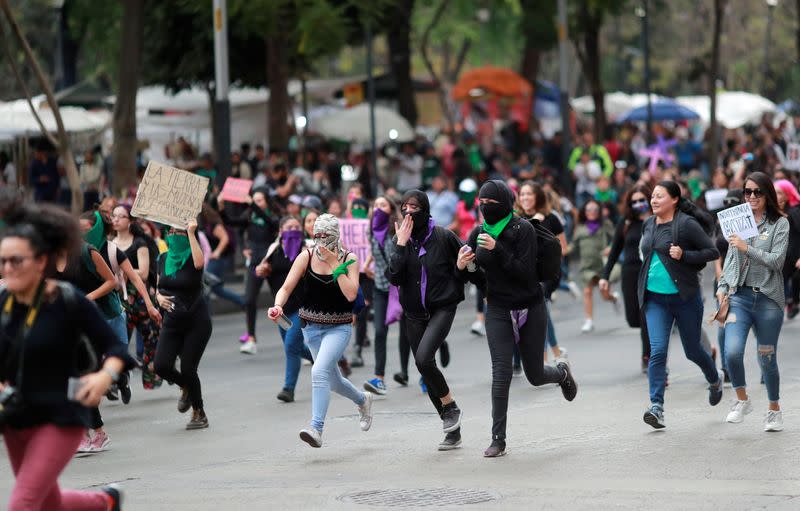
x=14, y=261
x=755, y=192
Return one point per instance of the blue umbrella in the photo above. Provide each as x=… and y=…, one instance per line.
x=663, y=110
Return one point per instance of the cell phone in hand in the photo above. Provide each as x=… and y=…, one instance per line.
x=74, y=385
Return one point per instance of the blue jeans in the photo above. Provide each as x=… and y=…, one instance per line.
x=749, y=309
x=120, y=327
x=660, y=312
x=217, y=267
x=327, y=344
x=295, y=350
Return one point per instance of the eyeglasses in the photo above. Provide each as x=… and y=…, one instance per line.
x=14, y=261
x=755, y=192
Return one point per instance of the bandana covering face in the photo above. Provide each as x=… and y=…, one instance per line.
x=178, y=253
x=292, y=242
x=593, y=226
x=496, y=215
x=380, y=226
x=328, y=225
x=96, y=235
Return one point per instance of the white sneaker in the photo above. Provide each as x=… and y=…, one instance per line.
x=773, y=421
x=248, y=348
x=478, y=328
x=365, y=411
x=311, y=436
x=574, y=289
x=738, y=410
x=588, y=326
x=616, y=302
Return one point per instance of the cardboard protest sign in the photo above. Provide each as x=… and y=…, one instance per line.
x=169, y=196
x=792, y=156
x=715, y=199
x=355, y=238
x=236, y=190
x=738, y=220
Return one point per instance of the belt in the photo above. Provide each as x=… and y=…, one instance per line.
x=755, y=289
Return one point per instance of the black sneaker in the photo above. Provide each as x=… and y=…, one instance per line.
x=444, y=354
x=715, y=390
x=125, y=394
x=113, y=393
x=286, y=395
x=568, y=386
x=401, y=378
x=115, y=495
x=183, y=401
x=654, y=416
x=356, y=360
x=727, y=378
x=199, y=420
x=451, y=441
x=451, y=417
x=496, y=449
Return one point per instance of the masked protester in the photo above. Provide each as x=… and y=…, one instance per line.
x=329, y=277
x=430, y=272
x=505, y=248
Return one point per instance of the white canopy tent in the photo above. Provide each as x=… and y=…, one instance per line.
x=616, y=103
x=734, y=109
x=352, y=125
x=17, y=120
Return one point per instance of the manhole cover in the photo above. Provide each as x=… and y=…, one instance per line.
x=419, y=497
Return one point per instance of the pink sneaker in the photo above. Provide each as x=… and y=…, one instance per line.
x=100, y=441
x=244, y=338
x=85, y=447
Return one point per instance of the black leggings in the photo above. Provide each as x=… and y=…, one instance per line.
x=380, y=302
x=184, y=335
x=425, y=336
x=252, y=289
x=500, y=335
x=630, y=295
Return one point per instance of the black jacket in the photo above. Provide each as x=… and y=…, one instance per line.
x=510, y=268
x=698, y=249
x=445, y=282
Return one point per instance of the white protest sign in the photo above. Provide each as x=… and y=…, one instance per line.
x=169, y=196
x=792, y=157
x=738, y=220
x=715, y=199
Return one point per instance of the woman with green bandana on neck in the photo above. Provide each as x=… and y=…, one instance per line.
x=187, y=321
x=505, y=248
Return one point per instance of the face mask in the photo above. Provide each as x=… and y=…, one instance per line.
x=292, y=242
x=359, y=213
x=493, y=212
x=640, y=207
x=420, y=220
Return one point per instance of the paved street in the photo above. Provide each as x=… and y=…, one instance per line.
x=594, y=453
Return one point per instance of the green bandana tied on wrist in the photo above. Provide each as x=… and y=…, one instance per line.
x=495, y=230
x=178, y=253
x=342, y=269
x=96, y=236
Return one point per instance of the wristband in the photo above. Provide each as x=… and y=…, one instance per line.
x=114, y=375
x=342, y=269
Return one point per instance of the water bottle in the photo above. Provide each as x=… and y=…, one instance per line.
x=284, y=322
x=466, y=249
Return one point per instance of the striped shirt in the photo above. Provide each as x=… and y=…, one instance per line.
x=762, y=265
x=381, y=258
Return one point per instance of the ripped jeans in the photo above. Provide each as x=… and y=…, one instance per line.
x=749, y=308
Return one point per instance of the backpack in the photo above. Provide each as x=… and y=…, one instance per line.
x=548, y=257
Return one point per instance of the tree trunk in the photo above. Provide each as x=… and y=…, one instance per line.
x=123, y=152
x=592, y=70
x=400, y=54
x=278, y=81
x=713, y=73
x=529, y=69
x=438, y=78
x=64, y=150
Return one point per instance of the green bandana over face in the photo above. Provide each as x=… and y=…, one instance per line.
x=359, y=213
x=178, y=253
x=495, y=230
x=96, y=235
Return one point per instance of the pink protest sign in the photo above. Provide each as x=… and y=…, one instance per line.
x=236, y=190
x=355, y=238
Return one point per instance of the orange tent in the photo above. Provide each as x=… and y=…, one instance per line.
x=493, y=81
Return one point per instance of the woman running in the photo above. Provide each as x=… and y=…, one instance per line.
x=329, y=278
x=505, y=247
x=752, y=283
x=187, y=321
x=626, y=240
x=261, y=227
x=275, y=268
x=674, y=249
x=423, y=267
x=45, y=326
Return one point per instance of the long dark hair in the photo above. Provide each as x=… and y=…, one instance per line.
x=688, y=207
x=543, y=205
x=629, y=214
x=773, y=211
x=582, y=212
x=393, y=215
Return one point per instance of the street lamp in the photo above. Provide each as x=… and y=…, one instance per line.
x=641, y=11
x=771, y=4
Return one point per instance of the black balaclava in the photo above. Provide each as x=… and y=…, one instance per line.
x=499, y=191
x=420, y=217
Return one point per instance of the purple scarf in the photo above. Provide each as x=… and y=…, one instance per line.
x=423, y=281
x=292, y=242
x=518, y=320
x=593, y=226
x=380, y=226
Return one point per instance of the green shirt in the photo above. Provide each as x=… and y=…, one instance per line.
x=658, y=279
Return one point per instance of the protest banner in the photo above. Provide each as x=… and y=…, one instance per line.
x=236, y=190
x=792, y=157
x=738, y=220
x=715, y=199
x=355, y=238
x=169, y=196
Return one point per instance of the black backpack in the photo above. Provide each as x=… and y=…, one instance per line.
x=548, y=256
